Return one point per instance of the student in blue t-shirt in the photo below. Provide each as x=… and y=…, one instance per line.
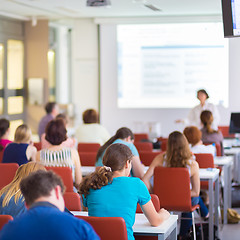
x=109, y=192
x=124, y=136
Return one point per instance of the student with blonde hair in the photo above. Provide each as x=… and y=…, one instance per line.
x=109, y=192
x=21, y=150
x=11, y=199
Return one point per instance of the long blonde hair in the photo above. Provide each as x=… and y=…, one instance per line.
x=13, y=188
x=178, y=151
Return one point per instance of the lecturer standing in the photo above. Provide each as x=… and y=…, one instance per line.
x=194, y=114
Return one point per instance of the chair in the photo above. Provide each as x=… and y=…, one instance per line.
x=163, y=142
x=66, y=174
x=88, y=147
x=138, y=137
x=155, y=201
x=205, y=160
x=218, y=148
x=144, y=146
x=147, y=157
x=38, y=145
x=225, y=132
x=72, y=201
x=172, y=186
x=88, y=158
x=1, y=155
x=4, y=219
x=7, y=173
x=108, y=228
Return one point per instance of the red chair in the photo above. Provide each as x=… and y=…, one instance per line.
x=155, y=201
x=7, y=173
x=218, y=148
x=1, y=155
x=108, y=228
x=88, y=158
x=38, y=145
x=172, y=186
x=66, y=174
x=225, y=132
x=138, y=137
x=72, y=201
x=163, y=142
x=144, y=146
x=147, y=157
x=4, y=219
x=88, y=147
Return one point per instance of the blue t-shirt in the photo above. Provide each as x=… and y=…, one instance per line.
x=45, y=221
x=130, y=145
x=15, y=153
x=13, y=209
x=118, y=199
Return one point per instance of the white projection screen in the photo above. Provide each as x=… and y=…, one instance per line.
x=163, y=65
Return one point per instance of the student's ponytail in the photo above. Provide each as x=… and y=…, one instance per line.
x=101, y=177
x=207, y=119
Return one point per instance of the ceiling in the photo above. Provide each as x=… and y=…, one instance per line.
x=62, y=9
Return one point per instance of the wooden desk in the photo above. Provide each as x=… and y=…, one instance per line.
x=142, y=227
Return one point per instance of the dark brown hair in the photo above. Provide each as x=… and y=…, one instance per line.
x=90, y=116
x=50, y=106
x=56, y=132
x=4, y=126
x=178, y=151
x=115, y=158
x=203, y=91
x=121, y=133
x=39, y=184
x=207, y=119
x=193, y=134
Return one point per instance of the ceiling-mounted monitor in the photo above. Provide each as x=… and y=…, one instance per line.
x=231, y=17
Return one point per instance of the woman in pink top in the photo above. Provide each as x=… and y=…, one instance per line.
x=4, y=133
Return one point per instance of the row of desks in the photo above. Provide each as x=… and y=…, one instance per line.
x=212, y=176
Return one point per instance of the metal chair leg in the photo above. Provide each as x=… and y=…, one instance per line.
x=194, y=229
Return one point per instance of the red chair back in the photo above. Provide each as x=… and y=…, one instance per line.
x=172, y=186
x=155, y=201
x=88, y=147
x=38, y=145
x=205, y=160
x=108, y=228
x=138, y=137
x=7, y=173
x=1, y=155
x=72, y=201
x=163, y=142
x=147, y=157
x=143, y=146
x=66, y=174
x=225, y=132
x=88, y=158
x=218, y=148
x=4, y=219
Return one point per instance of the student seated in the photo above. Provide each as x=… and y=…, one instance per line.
x=178, y=154
x=57, y=155
x=11, y=199
x=109, y=192
x=4, y=133
x=194, y=136
x=20, y=151
x=124, y=136
x=43, y=193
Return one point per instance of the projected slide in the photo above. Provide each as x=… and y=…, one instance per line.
x=162, y=66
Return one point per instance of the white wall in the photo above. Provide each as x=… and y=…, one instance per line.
x=85, y=83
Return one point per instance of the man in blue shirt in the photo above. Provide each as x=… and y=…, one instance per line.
x=45, y=219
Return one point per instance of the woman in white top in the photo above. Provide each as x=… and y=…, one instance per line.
x=194, y=136
x=178, y=154
x=194, y=114
x=56, y=155
x=91, y=130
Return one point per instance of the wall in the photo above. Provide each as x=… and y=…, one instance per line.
x=84, y=66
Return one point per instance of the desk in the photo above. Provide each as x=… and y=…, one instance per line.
x=143, y=227
x=226, y=163
x=212, y=176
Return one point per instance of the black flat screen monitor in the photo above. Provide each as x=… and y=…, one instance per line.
x=234, y=123
x=231, y=17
